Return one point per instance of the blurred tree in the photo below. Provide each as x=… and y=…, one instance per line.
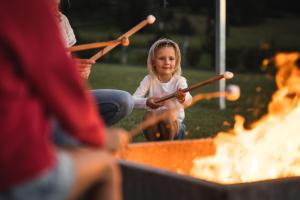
x=185, y=27
x=244, y=13
x=177, y=18
x=131, y=12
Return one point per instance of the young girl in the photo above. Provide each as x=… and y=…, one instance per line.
x=164, y=77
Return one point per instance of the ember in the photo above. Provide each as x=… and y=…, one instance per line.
x=271, y=149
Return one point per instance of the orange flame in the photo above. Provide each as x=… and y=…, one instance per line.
x=271, y=148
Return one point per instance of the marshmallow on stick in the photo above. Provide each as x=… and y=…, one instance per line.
x=149, y=20
x=124, y=41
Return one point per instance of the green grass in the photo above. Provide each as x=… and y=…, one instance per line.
x=203, y=119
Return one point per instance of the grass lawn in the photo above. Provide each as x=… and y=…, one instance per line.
x=203, y=119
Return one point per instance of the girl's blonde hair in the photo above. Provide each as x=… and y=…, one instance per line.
x=161, y=43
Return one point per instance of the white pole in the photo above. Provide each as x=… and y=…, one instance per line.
x=220, y=46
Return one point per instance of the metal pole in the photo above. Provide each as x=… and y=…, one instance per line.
x=220, y=46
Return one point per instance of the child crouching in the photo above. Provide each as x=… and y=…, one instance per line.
x=164, y=77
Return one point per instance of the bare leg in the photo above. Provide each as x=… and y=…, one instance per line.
x=96, y=171
x=151, y=133
x=168, y=129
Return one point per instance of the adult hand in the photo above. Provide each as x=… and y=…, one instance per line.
x=180, y=95
x=116, y=138
x=151, y=103
x=84, y=67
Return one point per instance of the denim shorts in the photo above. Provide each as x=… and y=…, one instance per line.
x=51, y=185
x=180, y=134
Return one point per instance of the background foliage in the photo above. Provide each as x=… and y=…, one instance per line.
x=255, y=29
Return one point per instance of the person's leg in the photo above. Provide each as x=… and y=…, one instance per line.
x=113, y=105
x=168, y=129
x=151, y=133
x=97, y=175
x=81, y=172
x=53, y=183
x=181, y=132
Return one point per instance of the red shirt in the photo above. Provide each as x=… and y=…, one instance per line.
x=37, y=78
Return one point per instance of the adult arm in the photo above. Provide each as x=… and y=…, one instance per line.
x=52, y=75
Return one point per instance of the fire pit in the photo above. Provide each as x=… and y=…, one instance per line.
x=159, y=170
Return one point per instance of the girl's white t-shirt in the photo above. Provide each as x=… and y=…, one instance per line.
x=152, y=87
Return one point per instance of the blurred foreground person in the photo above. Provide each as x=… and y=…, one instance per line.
x=38, y=80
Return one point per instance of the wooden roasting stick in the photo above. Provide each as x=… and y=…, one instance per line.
x=150, y=20
x=226, y=75
x=98, y=45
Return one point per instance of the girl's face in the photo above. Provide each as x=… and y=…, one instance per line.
x=164, y=62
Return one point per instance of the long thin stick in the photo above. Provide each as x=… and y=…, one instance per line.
x=226, y=75
x=150, y=19
x=93, y=45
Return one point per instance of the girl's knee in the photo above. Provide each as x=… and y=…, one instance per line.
x=168, y=129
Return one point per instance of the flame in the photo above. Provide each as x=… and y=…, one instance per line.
x=271, y=148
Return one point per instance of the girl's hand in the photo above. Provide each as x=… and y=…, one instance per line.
x=180, y=95
x=84, y=67
x=151, y=103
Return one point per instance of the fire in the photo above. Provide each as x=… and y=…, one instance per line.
x=271, y=148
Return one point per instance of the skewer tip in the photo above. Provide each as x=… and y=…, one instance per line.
x=228, y=75
x=125, y=41
x=151, y=19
